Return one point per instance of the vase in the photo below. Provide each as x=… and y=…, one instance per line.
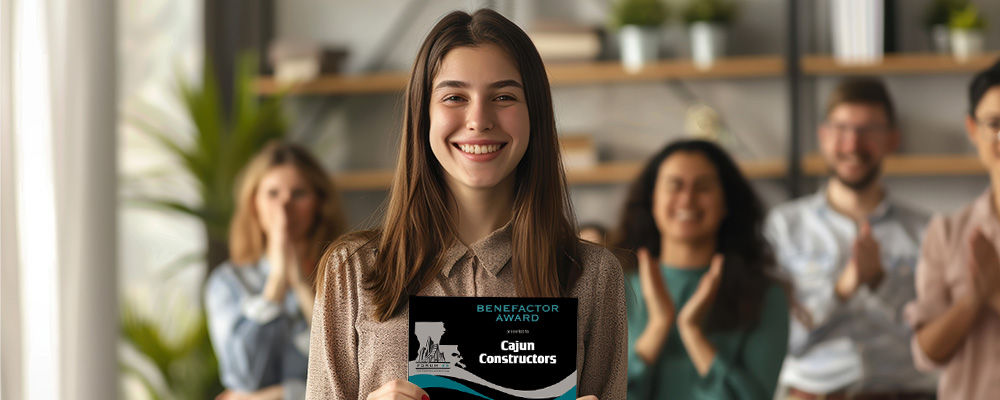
x=640, y=45
x=708, y=43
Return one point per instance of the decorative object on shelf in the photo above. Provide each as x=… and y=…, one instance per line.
x=639, y=31
x=707, y=21
x=565, y=42
x=936, y=23
x=578, y=151
x=966, y=25
x=296, y=61
x=858, y=31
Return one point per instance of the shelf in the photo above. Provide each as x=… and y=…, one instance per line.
x=625, y=171
x=900, y=63
x=911, y=165
x=603, y=174
x=560, y=74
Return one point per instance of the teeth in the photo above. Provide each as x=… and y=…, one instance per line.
x=685, y=215
x=479, y=149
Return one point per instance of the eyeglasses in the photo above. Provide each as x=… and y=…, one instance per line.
x=863, y=131
x=991, y=125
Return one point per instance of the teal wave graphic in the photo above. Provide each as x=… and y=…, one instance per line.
x=433, y=381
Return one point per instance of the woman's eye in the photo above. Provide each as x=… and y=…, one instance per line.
x=505, y=97
x=453, y=99
x=273, y=193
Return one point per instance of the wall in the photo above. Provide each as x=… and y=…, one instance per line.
x=628, y=121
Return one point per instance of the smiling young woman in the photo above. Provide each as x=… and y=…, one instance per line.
x=478, y=207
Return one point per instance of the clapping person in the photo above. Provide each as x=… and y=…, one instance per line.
x=850, y=249
x=957, y=310
x=707, y=316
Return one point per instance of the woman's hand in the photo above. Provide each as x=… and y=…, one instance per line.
x=279, y=254
x=590, y=397
x=697, y=307
x=985, y=270
x=659, y=305
x=398, y=390
x=693, y=315
x=655, y=292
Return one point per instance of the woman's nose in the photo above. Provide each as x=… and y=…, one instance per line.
x=480, y=117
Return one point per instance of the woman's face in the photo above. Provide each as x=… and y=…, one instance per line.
x=479, y=118
x=284, y=190
x=688, y=202
x=984, y=129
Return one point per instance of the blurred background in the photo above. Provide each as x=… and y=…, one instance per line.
x=124, y=121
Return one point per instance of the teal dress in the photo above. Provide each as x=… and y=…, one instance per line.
x=746, y=364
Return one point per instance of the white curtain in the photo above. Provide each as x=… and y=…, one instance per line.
x=58, y=97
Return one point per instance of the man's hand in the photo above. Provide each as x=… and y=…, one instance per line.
x=864, y=266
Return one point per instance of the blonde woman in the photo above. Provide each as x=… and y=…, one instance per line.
x=260, y=301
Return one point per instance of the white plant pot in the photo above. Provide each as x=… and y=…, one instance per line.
x=708, y=43
x=639, y=46
x=940, y=39
x=966, y=44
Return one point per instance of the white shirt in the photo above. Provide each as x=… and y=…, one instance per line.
x=861, y=344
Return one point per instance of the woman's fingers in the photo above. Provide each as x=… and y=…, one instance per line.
x=398, y=390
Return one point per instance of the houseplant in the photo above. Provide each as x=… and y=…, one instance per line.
x=220, y=143
x=707, y=21
x=966, y=25
x=638, y=23
x=936, y=22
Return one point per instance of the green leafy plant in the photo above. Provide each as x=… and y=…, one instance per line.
x=967, y=17
x=187, y=366
x=938, y=11
x=712, y=11
x=649, y=13
x=223, y=142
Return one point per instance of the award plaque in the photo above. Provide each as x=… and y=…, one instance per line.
x=493, y=347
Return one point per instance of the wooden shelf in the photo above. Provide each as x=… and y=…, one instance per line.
x=910, y=165
x=625, y=171
x=896, y=64
x=603, y=174
x=560, y=74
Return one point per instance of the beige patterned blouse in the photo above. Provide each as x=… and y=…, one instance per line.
x=351, y=354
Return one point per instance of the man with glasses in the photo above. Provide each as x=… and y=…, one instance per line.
x=850, y=250
x=957, y=310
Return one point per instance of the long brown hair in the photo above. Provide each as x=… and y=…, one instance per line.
x=246, y=235
x=418, y=227
x=750, y=266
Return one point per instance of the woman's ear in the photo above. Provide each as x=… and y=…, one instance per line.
x=971, y=129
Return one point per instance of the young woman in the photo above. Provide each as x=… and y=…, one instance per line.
x=707, y=317
x=478, y=207
x=956, y=314
x=260, y=302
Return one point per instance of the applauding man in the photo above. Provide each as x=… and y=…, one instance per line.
x=850, y=251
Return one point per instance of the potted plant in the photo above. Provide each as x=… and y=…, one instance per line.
x=638, y=22
x=936, y=22
x=706, y=21
x=966, y=25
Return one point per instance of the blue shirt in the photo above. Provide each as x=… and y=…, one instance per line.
x=861, y=344
x=258, y=342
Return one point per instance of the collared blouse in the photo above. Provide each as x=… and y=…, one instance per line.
x=352, y=354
